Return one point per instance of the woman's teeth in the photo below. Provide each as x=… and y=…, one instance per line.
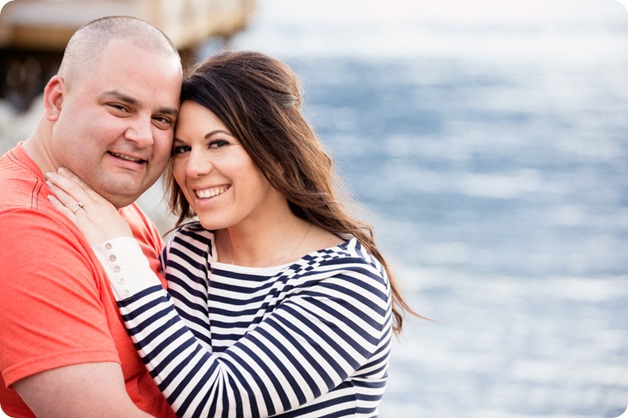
x=207, y=193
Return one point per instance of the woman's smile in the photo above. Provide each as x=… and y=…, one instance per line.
x=210, y=192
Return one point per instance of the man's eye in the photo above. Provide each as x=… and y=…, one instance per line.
x=163, y=122
x=119, y=107
x=180, y=149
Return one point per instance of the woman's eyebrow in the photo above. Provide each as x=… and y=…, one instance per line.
x=217, y=131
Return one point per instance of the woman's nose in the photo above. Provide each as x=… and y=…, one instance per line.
x=198, y=164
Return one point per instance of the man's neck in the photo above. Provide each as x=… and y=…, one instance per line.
x=36, y=150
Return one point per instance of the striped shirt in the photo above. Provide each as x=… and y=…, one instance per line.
x=306, y=339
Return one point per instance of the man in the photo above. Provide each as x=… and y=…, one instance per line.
x=109, y=117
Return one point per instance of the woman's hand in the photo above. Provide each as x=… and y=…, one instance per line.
x=98, y=219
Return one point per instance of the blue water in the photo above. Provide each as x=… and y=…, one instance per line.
x=484, y=163
x=491, y=157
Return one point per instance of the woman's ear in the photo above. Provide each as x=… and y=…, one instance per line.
x=53, y=97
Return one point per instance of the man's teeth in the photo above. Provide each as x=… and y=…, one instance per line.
x=214, y=191
x=127, y=157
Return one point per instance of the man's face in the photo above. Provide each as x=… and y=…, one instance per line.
x=116, y=124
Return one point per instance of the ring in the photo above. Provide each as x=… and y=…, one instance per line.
x=78, y=206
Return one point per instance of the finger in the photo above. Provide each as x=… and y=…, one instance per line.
x=63, y=209
x=67, y=198
x=77, y=184
x=64, y=187
x=64, y=172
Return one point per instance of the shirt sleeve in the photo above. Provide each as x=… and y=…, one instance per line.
x=54, y=298
x=127, y=268
x=296, y=354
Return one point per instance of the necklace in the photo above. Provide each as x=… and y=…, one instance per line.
x=307, y=231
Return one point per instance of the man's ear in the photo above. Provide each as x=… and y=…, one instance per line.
x=54, y=94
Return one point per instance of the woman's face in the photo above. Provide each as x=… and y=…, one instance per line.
x=218, y=178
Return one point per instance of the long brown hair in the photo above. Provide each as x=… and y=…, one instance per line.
x=259, y=100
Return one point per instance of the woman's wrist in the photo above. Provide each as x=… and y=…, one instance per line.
x=126, y=266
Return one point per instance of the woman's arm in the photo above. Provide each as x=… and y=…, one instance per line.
x=298, y=353
x=305, y=348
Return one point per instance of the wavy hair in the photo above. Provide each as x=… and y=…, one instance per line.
x=258, y=98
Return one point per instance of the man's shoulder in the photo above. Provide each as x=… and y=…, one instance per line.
x=21, y=186
x=133, y=213
x=141, y=224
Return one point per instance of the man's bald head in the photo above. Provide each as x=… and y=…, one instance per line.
x=86, y=45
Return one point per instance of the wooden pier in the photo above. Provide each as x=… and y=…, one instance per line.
x=33, y=33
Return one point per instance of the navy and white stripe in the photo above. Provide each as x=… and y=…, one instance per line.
x=309, y=339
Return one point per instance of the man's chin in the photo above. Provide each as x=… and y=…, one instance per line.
x=121, y=199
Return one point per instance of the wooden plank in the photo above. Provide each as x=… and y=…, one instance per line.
x=48, y=24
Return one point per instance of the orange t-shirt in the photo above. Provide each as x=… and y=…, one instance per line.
x=57, y=308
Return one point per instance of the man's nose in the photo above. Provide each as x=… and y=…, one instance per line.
x=141, y=132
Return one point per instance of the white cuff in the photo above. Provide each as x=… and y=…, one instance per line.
x=126, y=266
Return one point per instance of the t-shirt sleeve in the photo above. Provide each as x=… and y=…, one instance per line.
x=53, y=313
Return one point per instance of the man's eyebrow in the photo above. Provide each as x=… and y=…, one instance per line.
x=134, y=102
x=120, y=96
x=169, y=111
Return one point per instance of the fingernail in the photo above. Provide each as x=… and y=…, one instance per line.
x=61, y=170
x=50, y=174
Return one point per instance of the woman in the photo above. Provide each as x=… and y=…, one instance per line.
x=284, y=304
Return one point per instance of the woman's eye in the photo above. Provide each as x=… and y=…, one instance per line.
x=180, y=149
x=218, y=143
